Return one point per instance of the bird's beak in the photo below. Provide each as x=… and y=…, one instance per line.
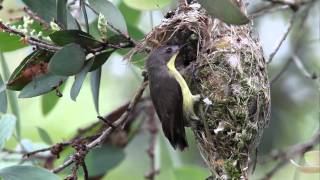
x=176, y=48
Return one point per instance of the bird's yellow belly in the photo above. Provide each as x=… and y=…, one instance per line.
x=186, y=93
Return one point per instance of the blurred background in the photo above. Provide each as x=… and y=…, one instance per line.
x=295, y=98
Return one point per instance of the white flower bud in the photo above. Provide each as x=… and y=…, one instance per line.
x=102, y=26
x=54, y=26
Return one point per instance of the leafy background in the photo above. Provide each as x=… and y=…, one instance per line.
x=295, y=104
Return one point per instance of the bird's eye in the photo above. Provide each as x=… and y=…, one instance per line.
x=169, y=50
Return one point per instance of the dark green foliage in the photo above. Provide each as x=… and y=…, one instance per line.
x=65, y=37
x=67, y=61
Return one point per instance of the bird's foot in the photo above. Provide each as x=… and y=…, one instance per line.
x=196, y=98
x=145, y=75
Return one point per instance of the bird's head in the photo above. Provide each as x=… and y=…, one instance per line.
x=162, y=55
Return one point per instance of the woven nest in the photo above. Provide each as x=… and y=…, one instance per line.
x=224, y=64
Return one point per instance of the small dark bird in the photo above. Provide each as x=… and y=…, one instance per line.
x=170, y=95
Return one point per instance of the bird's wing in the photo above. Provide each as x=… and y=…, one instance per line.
x=167, y=99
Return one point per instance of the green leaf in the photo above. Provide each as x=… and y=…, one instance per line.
x=41, y=85
x=190, y=173
x=131, y=16
x=49, y=100
x=3, y=97
x=100, y=59
x=27, y=173
x=17, y=81
x=79, y=79
x=7, y=126
x=147, y=4
x=135, y=33
x=65, y=37
x=12, y=42
x=101, y=160
x=44, y=135
x=95, y=87
x=46, y=9
x=225, y=10
x=67, y=61
x=11, y=96
x=62, y=16
x=112, y=14
x=312, y=157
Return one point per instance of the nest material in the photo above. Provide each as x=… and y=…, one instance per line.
x=224, y=64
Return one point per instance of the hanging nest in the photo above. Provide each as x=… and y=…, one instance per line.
x=225, y=64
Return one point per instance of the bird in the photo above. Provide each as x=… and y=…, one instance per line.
x=170, y=94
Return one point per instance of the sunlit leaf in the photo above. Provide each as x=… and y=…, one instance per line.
x=13, y=42
x=111, y=12
x=62, y=16
x=65, y=37
x=312, y=164
x=67, y=61
x=147, y=4
x=49, y=100
x=312, y=158
x=27, y=173
x=95, y=87
x=43, y=8
x=306, y=168
x=225, y=10
x=131, y=16
x=44, y=135
x=41, y=85
x=102, y=159
x=189, y=173
x=3, y=97
x=79, y=79
x=7, y=127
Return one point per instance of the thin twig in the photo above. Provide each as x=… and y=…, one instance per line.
x=108, y=130
x=298, y=45
x=277, y=5
x=36, y=17
x=282, y=39
x=298, y=149
x=267, y=9
x=106, y=121
x=153, y=130
x=85, y=170
x=299, y=64
x=55, y=149
x=30, y=40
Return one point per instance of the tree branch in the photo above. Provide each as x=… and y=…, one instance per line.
x=153, y=130
x=30, y=40
x=36, y=17
x=108, y=130
x=284, y=156
x=282, y=39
